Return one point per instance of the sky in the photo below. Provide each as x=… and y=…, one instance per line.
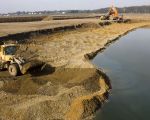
x=40, y=5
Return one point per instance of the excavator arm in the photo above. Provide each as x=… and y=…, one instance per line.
x=113, y=12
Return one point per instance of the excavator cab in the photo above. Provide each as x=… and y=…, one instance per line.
x=113, y=12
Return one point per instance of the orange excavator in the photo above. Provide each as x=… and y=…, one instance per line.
x=113, y=12
x=112, y=15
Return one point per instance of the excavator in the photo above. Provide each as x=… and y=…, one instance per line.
x=112, y=15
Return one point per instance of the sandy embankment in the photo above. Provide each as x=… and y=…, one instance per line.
x=71, y=88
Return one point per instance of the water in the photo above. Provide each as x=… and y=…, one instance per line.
x=127, y=63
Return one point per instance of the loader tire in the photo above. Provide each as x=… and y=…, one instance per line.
x=13, y=69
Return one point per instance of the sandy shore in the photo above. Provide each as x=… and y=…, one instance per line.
x=69, y=87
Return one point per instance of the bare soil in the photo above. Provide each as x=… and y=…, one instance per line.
x=69, y=86
x=13, y=28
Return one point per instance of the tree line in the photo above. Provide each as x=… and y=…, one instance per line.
x=133, y=9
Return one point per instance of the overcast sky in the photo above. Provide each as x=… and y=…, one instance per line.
x=37, y=5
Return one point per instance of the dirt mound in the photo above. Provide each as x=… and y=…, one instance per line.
x=40, y=81
x=47, y=96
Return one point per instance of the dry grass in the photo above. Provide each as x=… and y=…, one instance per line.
x=138, y=17
x=21, y=19
x=13, y=28
x=45, y=18
x=48, y=23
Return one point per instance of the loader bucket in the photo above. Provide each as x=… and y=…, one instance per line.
x=31, y=65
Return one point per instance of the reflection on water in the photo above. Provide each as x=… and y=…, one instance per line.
x=127, y=63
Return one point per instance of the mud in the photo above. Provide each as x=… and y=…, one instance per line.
x=69, y=86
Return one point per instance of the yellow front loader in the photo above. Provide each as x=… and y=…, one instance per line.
x=15, y=65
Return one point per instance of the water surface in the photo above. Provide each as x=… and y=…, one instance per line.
x=127, y=63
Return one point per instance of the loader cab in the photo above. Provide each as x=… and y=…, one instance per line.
x=7, y=52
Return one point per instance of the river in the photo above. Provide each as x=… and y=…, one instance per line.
x=127, y=63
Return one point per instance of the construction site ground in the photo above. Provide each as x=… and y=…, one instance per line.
x=69, y=86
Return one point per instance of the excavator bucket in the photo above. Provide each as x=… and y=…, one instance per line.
x=34, y=64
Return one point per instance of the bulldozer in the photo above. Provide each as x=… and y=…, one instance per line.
x=15, y=65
